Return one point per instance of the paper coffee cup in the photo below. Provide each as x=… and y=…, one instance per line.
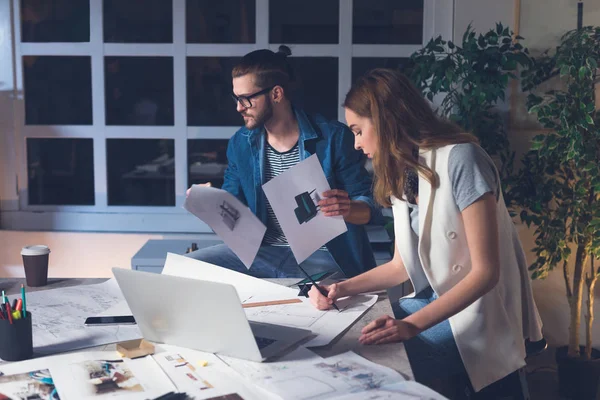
x=35, y=262
x=36, y=250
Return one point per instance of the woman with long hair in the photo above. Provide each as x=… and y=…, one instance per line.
x=472, y=308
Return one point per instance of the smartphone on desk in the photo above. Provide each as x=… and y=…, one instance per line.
x=110, y=320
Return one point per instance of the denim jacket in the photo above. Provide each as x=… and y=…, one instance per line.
x=333, y=144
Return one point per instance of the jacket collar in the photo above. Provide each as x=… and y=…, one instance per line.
x=305, y=126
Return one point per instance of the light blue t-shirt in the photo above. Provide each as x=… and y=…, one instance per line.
x=472, y=174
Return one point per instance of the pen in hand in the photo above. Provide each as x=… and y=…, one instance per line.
x=319, y=288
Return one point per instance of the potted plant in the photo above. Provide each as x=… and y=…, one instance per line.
x=473, y=77
x=559, y=192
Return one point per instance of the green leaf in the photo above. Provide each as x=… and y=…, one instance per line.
x=450, y=45
x=536, y=145
x=564, y=70
x=588, y=167
x=583, y=71
x=592, y=63
x=589, y=120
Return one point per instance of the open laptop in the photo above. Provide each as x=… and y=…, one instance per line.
x=200, y=315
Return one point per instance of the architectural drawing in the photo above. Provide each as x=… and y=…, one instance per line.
x=230, y=215
x=58, y=316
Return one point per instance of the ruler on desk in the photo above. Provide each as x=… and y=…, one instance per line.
x=270, y=303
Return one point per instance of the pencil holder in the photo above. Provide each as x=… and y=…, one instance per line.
x=16, y=339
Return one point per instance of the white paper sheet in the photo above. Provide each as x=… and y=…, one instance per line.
x=183, y=366
x=297, y=376
x=301, y=357
x=305, y=228
x=249, y=289
x=58, y=317
x=231, y=220
x=327, y=325
x=88, y=375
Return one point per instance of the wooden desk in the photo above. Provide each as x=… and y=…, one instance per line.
x=391, y=355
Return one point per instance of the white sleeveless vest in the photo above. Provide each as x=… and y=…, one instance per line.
x=490, y=333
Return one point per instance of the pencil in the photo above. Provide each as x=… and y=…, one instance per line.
x=319, y=288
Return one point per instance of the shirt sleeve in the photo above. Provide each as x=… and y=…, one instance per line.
x=472, y=174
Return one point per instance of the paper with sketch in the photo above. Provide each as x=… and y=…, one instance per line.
x=249, y=289
x=58, y=316
x=301, y=357
x=318, y=378
x=214, y=381
x=231, y=220
x=402, y=390
x=85, y=375
x=327, y=325
x=294, y=195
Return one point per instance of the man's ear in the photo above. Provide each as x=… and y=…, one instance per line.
x=277, y=94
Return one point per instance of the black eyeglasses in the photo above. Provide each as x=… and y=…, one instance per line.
x=245, y=100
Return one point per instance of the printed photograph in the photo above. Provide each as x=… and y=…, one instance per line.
x=110, y=376
x=29, y=385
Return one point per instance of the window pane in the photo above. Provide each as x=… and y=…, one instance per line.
x=209, y=91
x=139, y=90
x=55, y=20
x=58, y=90
x=361, y=65
x=223, y=21
x=60, y=171
x=387, y=22
x=207, y=161
x=138, y=21
x=141, y=172
x=316, y=86
x=306, y=21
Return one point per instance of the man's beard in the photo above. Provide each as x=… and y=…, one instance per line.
x=260, y=119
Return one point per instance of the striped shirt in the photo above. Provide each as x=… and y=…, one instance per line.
x=275, y=163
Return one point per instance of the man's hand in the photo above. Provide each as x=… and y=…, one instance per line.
x=322, y=302
x=335, y=202
x=187, y=192
x=387, y=330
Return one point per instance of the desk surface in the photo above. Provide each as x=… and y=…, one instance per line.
x=391, y=355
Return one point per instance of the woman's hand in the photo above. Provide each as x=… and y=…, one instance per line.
x=322, y=302
x=387, y=330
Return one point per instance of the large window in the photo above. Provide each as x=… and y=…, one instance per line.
x=126, y=103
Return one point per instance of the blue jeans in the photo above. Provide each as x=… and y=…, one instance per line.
x=270, y=262
x=433, y=354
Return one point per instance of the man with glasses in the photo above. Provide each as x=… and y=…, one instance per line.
x=276, y=135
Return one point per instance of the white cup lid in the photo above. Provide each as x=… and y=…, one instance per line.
x=36, y=250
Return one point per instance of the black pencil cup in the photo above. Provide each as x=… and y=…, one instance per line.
x=16, y=339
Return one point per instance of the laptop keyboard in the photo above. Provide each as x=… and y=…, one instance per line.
x=263, y=342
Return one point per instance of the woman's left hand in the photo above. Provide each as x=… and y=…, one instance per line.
x=387, y=330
